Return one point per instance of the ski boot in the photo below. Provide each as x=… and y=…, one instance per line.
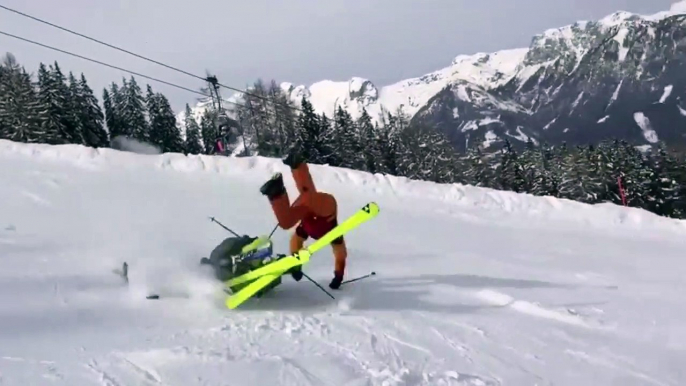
x=274, y=187
x=296, y=272
x=336, y=281
x=294, y=159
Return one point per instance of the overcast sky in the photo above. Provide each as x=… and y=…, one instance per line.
x=300, y=41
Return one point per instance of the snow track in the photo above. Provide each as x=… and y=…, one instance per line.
x=473, y=286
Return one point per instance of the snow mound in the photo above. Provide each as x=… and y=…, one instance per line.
x=451, y=195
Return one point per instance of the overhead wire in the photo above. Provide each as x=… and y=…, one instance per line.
x=101, y=63
x=265, y=111
x=268, y=112
x=139, y=56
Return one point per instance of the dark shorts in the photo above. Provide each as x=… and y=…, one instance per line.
x=302, y=233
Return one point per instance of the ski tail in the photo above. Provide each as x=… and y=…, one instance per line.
x=251, y=289
x=261, y=277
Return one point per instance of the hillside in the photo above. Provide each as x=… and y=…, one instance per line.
x=473, y=286
x=623, y=76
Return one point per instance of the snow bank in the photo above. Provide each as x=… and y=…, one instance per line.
x=329, y=178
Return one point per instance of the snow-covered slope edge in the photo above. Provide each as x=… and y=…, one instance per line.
x=454, y=198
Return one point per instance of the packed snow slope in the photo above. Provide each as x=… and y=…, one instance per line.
x=473, y=286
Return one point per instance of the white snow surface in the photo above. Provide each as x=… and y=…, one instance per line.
x=644, y=123
x=667, y=92
x=473, y=286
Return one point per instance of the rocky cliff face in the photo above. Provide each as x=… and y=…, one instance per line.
x=623, y=76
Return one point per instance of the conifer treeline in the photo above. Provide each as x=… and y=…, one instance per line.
x=53, y=109
x=56, y=109
x=655, y=181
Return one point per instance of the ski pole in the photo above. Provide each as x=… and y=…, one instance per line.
x=320, y=287
x=222, y=225
x=359, y=278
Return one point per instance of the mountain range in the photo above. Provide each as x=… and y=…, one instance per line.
x=623, y=76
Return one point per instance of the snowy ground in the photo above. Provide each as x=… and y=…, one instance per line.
x=473, y=287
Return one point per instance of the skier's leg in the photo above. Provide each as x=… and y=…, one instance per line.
x=298, y=240
x=286, y=215
x=296, y=243
x=303, y=178
x=340, y=253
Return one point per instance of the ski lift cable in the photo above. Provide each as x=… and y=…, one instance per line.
x=115, y=67
x=207, y=79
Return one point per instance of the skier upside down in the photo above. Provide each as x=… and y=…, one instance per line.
x=316, y=212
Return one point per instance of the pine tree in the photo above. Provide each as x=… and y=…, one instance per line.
x=209, y=131
x=112, y=105
x=443, y=162
x=367, y=140
x=91, y=116
x=162, y=129
x=579, y=183
x=130, y=111
x=263, y=120
x=346, y=143
x=172, y=140
x=286, y=117
x=193, y=142
x=310, y=138
x=664, y=193
x=679, y=174
x=327, y=141
x=549, y=179
x=388, y=141
x=73, y=110
x=54, y=122
x=476, y=168
x=19, y=106
x=531, y=166
x=510, y=175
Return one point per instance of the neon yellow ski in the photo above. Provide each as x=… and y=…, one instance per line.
x=248, y=291
x=261, y=277
x=365, y=214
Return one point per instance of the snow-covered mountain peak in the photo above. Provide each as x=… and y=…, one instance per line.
x=296, y=92
x=618, y=18
x=570, y=32
x=565, y=47
x=362, y=89
x=678, y=8
x=487, y=69
x=483, y=70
